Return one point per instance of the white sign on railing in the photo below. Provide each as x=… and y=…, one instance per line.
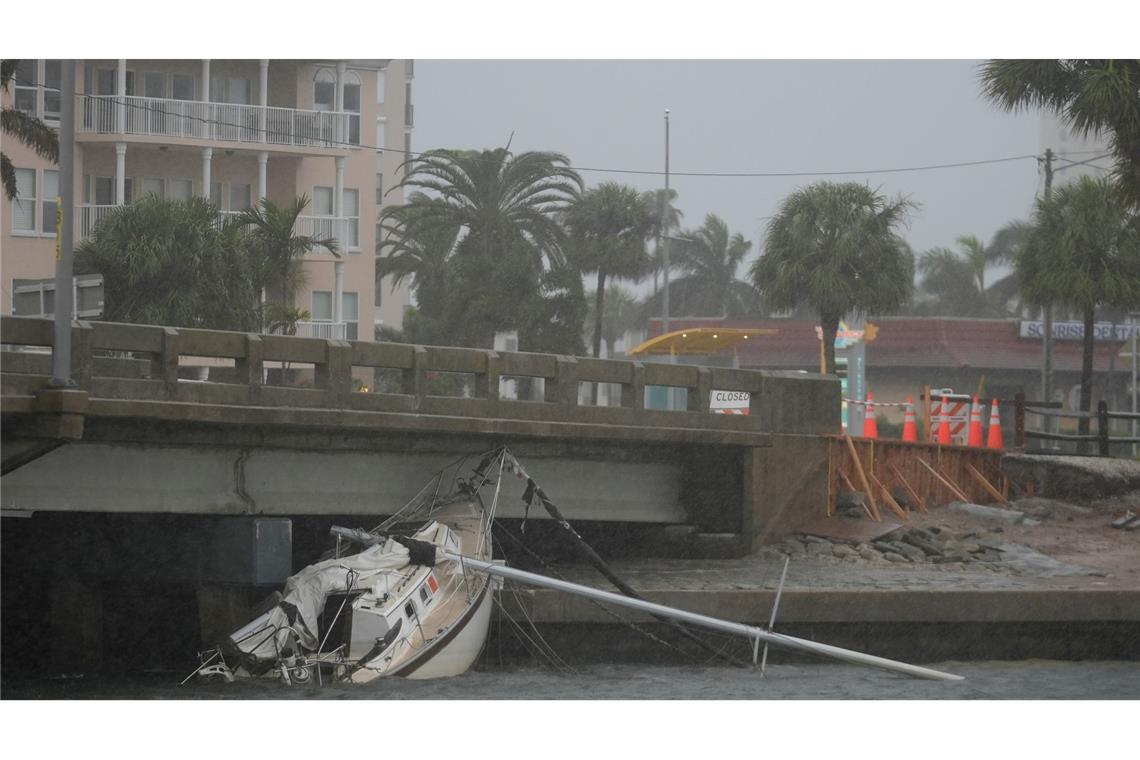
x=1102, y=331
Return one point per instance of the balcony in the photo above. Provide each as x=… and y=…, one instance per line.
x=213, y=122
x=88, y=216
x=325, y=330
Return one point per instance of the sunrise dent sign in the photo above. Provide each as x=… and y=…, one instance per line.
x=1104, y=331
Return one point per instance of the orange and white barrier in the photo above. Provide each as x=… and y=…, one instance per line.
x=910, y=425
x=994, y=441
x=870, y=426
x=975, y=438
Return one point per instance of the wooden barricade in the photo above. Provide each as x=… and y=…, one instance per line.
x=927, y=474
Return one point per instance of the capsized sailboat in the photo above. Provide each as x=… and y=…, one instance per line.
x=398, y=604
x=417, y=602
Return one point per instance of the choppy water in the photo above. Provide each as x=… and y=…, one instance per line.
x=1031, y=679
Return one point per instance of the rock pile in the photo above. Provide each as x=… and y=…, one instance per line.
x=923, y=545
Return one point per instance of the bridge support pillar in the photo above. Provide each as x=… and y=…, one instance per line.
x=784, y=484
x=76, y=622
x=221, y=611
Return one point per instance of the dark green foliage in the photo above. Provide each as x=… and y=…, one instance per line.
x=608, y=227
x=837, y=248
x=1089, y=95
x=709, y=259
x=170, y=263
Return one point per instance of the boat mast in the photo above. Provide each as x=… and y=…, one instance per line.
x=753, y=633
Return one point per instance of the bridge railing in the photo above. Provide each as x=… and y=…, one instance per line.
x=146, y=363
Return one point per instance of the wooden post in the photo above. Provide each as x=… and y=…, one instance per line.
x=985, y=483
x=918, y=500
x=1102, y=428
x=862, y=477
x=926, y=412
x=950, y=486
x=890, y=500
x=1019, y=422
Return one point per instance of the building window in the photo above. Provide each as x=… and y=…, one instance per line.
x=105, y=190
x=241, y=197
x=51, y=196
x=235, y=90
x=324, y=90
x=182, y=86
x=379, y=189
x=381, y=85
x=351, y=204
x=33, y=208
x=407, y=151
x=181, y=190
x=24, y=204
x=322, y=306
x=350, y=315
x=408, y=109
x=352, y=106
x=153, y=186
x=322, y=311
x=216, y=194
x=322, y=201
x=380, y=135
x=26, y=86
x=53, y=78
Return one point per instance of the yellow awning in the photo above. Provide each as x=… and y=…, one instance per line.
x=699, y=340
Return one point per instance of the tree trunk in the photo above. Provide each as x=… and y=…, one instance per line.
x=599, y=300
x=1086, y=373
x=830, y=326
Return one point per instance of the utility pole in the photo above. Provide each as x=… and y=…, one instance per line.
x=1047, y=345
x=664, y=235
x=65, y=218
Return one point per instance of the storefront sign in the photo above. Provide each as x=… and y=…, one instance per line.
x=1102, y=331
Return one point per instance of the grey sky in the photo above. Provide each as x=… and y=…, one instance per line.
x=749, y=116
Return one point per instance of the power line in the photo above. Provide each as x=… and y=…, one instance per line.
x=330, y=142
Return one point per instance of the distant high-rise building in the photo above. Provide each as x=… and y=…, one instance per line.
x=232, y=131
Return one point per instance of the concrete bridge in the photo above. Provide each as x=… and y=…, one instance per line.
x=175, y=498
x=140, y=436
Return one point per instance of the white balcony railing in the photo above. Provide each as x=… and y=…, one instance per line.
x=213, y=122
x=323, y=228
x=324, y=330
x=89, y=215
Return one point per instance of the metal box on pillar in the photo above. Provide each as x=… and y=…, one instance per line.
x=249, y=550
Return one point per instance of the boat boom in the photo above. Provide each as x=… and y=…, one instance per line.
x=753, y=633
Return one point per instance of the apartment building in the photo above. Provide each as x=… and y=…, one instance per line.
x=233, y=131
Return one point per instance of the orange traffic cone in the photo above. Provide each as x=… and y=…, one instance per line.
x=994, y=440
x=870, y=426
x=974, y=439
x=910, y=427
x=944, y=438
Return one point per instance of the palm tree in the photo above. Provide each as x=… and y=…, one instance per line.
x=836, y=248
x=494, y=196
x=956, y=280
x=1084, y=251
x=622, y=313
x=608, y=226
x=412, y=249
x=710, y=258
x=272, y=232
x=26, y=128
x=1089, y=96
x=169, y=263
